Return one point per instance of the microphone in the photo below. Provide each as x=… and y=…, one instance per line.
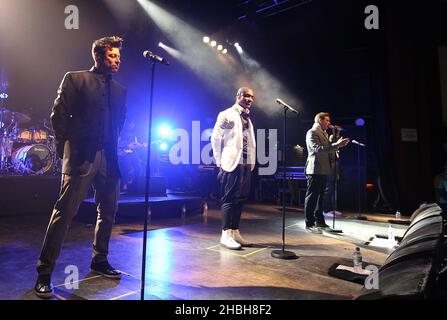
x=286, y=105
x=358, y=143
x=335, y=127
x=153, y=57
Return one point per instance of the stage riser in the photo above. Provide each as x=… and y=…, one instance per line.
x=135, y=211
x=28, y=195
x=23, y=195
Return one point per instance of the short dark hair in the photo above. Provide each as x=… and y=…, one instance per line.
x=321, y=115
x=242, y=90
x=100, y=46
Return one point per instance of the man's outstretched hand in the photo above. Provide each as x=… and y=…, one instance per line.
x=342, y=142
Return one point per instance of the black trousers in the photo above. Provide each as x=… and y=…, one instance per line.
x=313, y=204
x=234, y=190
x=72, y=193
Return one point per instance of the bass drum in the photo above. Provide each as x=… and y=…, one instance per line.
x=32, y=159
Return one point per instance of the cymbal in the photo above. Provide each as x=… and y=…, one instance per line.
x=12, y=116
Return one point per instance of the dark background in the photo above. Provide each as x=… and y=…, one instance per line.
x=318, y=50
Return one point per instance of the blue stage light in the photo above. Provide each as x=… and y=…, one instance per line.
x=360, y=122
x=163, y=146
x=164, y=130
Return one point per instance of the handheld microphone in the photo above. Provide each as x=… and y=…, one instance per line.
x=335, y=128
x=153, y=57
x=279, y=101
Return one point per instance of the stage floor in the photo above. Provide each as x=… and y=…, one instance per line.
x=185, y=260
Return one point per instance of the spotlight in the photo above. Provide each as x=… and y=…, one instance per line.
x=206, y=39
x=164, y=130
x=160, y=44
x=213, y=43
x=163, y=146
x=360, y=122
x=219, y=47
x=224, y=51
x=238, y=48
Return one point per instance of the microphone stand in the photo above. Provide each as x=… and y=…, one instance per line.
x=335, y=185
x=147, y=189
x=359, y=184
x=283, y=254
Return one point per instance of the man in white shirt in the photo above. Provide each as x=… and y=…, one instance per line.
x=234, y=149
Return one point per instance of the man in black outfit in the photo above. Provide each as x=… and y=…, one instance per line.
x=87, y=117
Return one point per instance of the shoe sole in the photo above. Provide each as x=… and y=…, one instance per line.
x=238, y=248
x=47, y=295
x=106, y=275
x=326, y=229
x=314, y=232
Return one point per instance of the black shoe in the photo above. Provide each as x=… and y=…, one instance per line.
x=323, y=227
x=314, y=230
x=105, y=269
x=43, y=288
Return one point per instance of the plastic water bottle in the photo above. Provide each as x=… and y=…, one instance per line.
x=397, y=215
x=357, y=260
x=183, y=211
x=391, y=233
x=205, y=209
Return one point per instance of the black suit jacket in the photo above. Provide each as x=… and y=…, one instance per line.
x=78, y=121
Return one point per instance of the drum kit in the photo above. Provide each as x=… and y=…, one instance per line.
x=26, y=150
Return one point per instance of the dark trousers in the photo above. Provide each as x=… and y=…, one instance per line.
x=234, y=189
x=329, y=194
x=313, y=204
x=73, y=191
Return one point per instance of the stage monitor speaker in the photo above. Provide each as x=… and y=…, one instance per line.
x=414, y=269
x=434, y=221
x=422, y=237
x=420, y=249
x=431, y=209
x=426, y=231
x=408, y=279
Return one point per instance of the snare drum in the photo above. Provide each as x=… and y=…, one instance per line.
x=40, y=136
x=24, y=136
x=32, y=159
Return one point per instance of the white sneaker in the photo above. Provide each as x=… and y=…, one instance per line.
x=227, y=240
x=238, y=238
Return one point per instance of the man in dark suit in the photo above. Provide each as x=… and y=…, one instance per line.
x=87, y=117
x=319, y=164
